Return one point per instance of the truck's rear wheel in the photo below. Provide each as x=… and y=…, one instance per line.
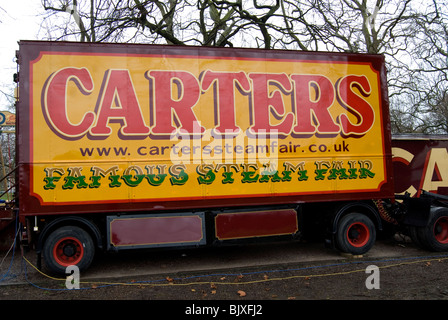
x=434, y=236
x=356, y=234
x=66, y=246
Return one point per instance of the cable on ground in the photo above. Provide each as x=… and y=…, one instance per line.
x=172, y=282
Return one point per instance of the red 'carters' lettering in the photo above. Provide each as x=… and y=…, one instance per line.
x=297, y=104
x=118, y=100
x=55, y=101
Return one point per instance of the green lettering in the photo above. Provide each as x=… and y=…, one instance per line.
x=269, y=174
x=156, y=179
x=178, y=174
x=98, y=173
x=114, y=181
x=300, y=168
x=337, y=170
x=302, y=175
x=248, y=175
x=286, y=175
x=95, y=182
x=320, y=171
x=50, y=182
x=75, y=177
x=365, y=169
x=227, y=174
x=365, y=173
x=205, y=177
x=50, y=179
x=133, y=180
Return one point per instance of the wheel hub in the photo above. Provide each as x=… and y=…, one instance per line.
x=69, y=250
x=354, y=234
x=358, y=234
x=441, y=230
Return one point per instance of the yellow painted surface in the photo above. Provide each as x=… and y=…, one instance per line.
x=91, y=165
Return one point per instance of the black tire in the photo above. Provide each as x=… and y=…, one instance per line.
x=356, y=234
x=68, y=245
x=434, y=236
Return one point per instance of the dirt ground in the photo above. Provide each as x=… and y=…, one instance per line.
x=419, y=279
x=254, y=293
x=410, y=277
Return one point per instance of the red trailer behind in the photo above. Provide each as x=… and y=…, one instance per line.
x=420, y=163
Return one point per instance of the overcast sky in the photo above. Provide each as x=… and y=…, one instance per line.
x=19, y=20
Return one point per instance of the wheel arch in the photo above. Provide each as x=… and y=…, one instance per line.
x=81, y=222
x=361, y=207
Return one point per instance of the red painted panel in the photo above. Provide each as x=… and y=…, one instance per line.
x=420, y=163
x=237, y=225
x=153, y=231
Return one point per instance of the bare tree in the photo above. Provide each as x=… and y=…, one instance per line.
x=420, y=81
x=181, y=22
x=342, y=25
x=412, y=36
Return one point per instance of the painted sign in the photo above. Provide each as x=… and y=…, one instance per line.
x=420, y=163
x=7, y=118
x=163, y=123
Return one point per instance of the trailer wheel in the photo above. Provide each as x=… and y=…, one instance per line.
x=434, y=236
x=356, y=234
x=66, y=246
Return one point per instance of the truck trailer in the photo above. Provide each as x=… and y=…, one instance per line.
x=132, y=146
